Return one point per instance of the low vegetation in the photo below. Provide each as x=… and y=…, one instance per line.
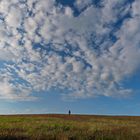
x=65, y=127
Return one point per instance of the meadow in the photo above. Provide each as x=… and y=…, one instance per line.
x=65, y=127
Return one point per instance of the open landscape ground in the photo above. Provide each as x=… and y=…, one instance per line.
x=65, y=127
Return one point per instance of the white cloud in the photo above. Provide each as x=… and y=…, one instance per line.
x=82, y=4
x=44, y=45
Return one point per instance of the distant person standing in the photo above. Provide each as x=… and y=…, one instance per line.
x=69, y=112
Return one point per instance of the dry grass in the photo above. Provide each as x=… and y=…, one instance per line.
x=65, y=127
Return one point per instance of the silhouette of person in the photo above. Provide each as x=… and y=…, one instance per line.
x=69, y=112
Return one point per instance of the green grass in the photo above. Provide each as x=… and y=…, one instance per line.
x=64, y=127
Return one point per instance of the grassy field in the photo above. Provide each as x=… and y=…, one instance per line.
x=64, y=127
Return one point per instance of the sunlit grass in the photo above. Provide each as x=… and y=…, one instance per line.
x=74, y=127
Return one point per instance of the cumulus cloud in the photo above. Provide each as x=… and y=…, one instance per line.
x=86, y=49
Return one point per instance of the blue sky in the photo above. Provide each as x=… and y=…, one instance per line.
x=52, y=103
x=70, y=54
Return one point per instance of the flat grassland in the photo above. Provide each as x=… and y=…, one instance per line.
x=65, y=127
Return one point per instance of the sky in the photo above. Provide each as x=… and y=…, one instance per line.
x=81, y=55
